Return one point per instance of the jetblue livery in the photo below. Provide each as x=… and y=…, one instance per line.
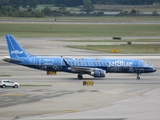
x=91, y=66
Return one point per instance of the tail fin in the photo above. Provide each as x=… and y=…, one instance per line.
x=15, y=50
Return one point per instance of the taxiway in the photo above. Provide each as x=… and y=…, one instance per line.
x=118, y=96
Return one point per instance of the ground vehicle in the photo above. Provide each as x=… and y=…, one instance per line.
x=8, y=83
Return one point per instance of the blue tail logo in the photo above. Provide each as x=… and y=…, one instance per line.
x=15, y=50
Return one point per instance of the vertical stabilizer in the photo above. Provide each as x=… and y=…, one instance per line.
x=15, y=50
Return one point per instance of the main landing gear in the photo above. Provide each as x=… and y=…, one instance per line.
x=80, y=77
x=138, y=78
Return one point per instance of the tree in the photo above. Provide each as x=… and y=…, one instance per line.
x=88, y=6
x=32, y=3
x=3, y=3
x=47, y=11
x=155, y=13
x=61, y=7
x=134, y=12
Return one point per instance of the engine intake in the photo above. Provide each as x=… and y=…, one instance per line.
x=98, y=73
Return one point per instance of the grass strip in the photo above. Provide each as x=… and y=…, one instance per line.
x=5, y=75
x=133, y=40
x=125, y=49
x=78, y=30
x=84, y=19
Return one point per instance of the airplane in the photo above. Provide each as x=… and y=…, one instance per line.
x=96, y=67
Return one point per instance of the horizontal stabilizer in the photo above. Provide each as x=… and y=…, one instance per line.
x=8, y=59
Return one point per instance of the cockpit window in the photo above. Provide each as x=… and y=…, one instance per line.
x=146, y=64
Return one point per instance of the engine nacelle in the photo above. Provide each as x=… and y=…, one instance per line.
x=98, y=73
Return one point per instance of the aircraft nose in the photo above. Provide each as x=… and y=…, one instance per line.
x=154, y=70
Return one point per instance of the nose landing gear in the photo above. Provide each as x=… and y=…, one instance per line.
x=138, y=78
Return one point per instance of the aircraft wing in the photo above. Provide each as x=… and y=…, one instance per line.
x=80, y=69
x=7, y=58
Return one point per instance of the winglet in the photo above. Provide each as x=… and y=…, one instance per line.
x=8, y=59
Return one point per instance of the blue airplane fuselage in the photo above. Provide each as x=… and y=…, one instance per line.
x=109, y=65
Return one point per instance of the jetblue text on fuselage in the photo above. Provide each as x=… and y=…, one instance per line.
x=120, y=63
x=16, y=52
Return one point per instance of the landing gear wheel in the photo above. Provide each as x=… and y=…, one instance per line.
x=138, y=78
x=80, y=77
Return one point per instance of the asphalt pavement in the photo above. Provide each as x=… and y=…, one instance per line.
x=42, y=97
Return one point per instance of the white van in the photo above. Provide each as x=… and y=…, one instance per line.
x=8, y=83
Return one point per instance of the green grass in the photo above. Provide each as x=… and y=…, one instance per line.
x=46, y=5
x=85, y=19
x=125, y=49
x=108, y=8
x=5, y=75
x=42, y=6
x=143, y=9
x=132, y=40
x=50, y=30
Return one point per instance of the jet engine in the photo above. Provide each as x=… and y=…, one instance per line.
x=98, y=73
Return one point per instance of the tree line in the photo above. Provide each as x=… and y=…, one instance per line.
x=26, y=8
x=18, y=8
x=74, y=3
